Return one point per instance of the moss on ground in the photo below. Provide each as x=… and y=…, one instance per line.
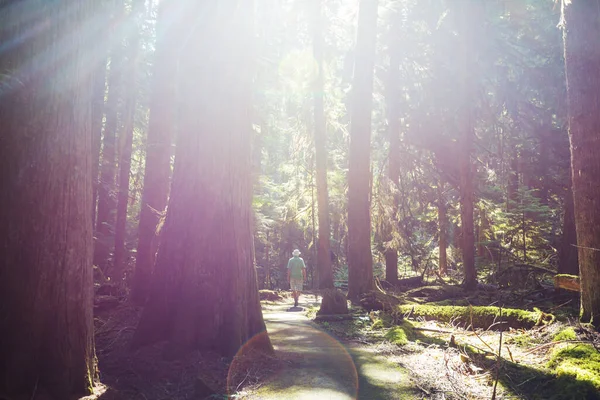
x=401, y=334
x=478, y=316
x=581, y=362
x=565, y=334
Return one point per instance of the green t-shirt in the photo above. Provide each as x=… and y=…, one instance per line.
x=296, y=265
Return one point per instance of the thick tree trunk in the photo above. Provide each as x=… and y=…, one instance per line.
x=467, y=202
x=105, y=220
x=393, y=114
x=582, y=60
x=130, y=72
x=443, y=234
x=360, y=261
x=157, y=172
x=568, y=262
x=324, y=271
x=46, y=339
x=204, y=291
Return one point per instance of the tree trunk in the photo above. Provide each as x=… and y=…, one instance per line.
x=98, y=94
x=157, y=172
x=204, y=290
x=46, y=340
x=324, y=271
x=468, y=17
x=105, y=222
x=582, y=61
x=360, y=261
x=130, y=72
x=393, y=114
x=568, y=262
x=443, y=236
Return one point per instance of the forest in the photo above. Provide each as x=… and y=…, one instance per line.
x=435, y=164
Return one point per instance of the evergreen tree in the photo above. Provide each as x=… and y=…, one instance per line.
x=46, y=340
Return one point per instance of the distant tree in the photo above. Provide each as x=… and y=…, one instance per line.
x=130, y=74
x=99, y=92
x=393, y=115
x=157, y=171
x=443, y=231
x=582, y=62
x=360, y=261
x=107, y=205
x=204, y=290
x=324, y=272
x=468, y=16
x=46, y=339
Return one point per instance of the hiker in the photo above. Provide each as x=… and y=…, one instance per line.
x=296, y=274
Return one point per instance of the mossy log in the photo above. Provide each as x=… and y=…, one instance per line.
x=334, y=303
x=567, y=282
x=478, y=316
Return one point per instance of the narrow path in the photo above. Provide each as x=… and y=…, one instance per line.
x=317, y=366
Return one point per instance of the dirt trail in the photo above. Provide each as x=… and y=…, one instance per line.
x=320, y=367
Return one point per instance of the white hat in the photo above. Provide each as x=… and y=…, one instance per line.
x=296, y=252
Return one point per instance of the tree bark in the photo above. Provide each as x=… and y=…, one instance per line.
x=443, y=235
x=46, y=340
x=360, y=261
x=130, y=72
x=393, y=114
x=582, y=62
x=157, y=172
x=98, y=94
x=324, y=271
x=467, y=202
x=204, y=291
x=568, y=262
x=105, y=222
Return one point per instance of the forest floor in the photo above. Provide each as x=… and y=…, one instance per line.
x=366, y=357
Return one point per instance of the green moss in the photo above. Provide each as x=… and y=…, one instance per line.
x=565, y=334
x=401, y=334
x=378, y=324
x=581, y=362
x=478, y=316
x=566, y=276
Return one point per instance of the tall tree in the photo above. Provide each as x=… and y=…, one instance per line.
x=393, y=116
x=443, y=230
x=324, y=271
x=568, y=262
x=467, y=17
x=105, y=219
x=99, y=92
x=130, y=74
x=582, y=62
x=360, y=261
x=204, y=291
x=46, y=340
x=157, y=171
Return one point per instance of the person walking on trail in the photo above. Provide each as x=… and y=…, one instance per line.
x=296, y=274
